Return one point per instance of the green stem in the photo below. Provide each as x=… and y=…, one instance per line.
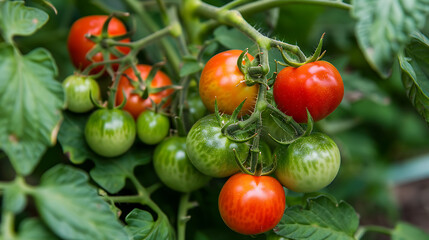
x=372, y=228
x=171, y=54
x=182, y=217
x=260, y=6
x=8, y=226
x=125, y=199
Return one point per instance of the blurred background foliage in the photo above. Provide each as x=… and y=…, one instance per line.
x=384, y=142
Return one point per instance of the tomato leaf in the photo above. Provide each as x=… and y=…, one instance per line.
x=321, y=218
x=414, y=63
x=384, y=26
x=109, y=173
x=34, y=229
x=17, y=19
x=112, y=173
x=72, y=138
x=142, y=226
x=190, y=66
x=72, y=208
x=30, y=104
x=232, y=38
x=405, y=231
x=14, y=199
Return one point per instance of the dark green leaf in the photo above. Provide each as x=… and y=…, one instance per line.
x=384, y=26
x=405, y=231
x=30, y=104
x=232, y=38
x=34, y=229
x=72, y=138
x=321, y=218
x=14, y=199
x=142, y=226
x=415, y=73
x=17, y=19
x=190, y=66
x=112, y=173
x=73, y=209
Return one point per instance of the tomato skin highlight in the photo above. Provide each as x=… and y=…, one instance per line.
x=251, y=204
x=78, y=91
x=78, y=45
x=316, y=86
x=222, y=80
x=173, y=167
x=135, y=104
x=110, y=132
x=308, y=164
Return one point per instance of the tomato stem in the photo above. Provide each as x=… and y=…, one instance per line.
x=8, y=225
x=371, y=228
x=182, y=216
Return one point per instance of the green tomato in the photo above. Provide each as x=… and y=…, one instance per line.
x=78, y=90
x=210, y=151
x=196, y=108
x=152, y=127
x=173, y=167
x=110, y=132
x=308, y=164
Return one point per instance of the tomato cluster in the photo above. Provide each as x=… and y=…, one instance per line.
x=248, y=204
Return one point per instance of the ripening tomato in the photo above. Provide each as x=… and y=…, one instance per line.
x=316, y=86
x=251, y=204
x=78, y=45
x=136, y=104
x=222, y=80
x=78, y=90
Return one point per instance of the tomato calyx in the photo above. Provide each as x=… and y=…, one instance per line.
x=253, y=71
x=307, y=132
x=318, y=54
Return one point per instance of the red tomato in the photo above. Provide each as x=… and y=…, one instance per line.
x=135, y=104
x=78, y=45
x=250, y=204
x=316, y=86
x=221, y=79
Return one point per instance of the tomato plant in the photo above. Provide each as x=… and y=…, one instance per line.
x=316, y=86
x=78, y=90
x=214, y=156
x=79, y=45
x=251, y=204
x=308, y=164
x=174, y=168
x=135, y=103
x=110, y=132
x=152, y=127
x=71, y=164
x=222, y=80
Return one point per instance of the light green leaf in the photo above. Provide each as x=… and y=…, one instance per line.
x=384, y=26
x=321, y=218
x=141, y=226
x=405, y=231
x=17, y=19
x=34, y=229
x=30, y=105
x=414, y=63
x=71, y=207
x=14, y=199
